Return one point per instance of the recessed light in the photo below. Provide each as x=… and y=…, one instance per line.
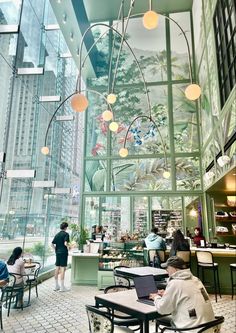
x=64, y=18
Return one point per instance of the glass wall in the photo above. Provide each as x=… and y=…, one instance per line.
x=37, y=72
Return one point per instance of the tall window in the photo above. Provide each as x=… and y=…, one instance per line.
x=225, y=37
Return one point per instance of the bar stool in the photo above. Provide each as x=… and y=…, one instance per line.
x=205, y=262
x=233, y=284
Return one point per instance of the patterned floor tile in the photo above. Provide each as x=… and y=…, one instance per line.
x=65, y=312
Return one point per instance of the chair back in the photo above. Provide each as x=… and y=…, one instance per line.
x=185, y=255
x=115, y=288
x=156, y=257
x=11, y=282
x=99, y=321
x=205, y=258
x=120, y=280
x=34, y=270
x=8, y=289
x=216, y=324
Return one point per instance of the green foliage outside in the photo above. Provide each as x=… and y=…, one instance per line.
x=79, y=235
x=39, y=249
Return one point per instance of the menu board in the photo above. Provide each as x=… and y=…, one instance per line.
x=167, y=221
x=140, y=221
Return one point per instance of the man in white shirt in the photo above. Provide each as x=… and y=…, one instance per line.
x=185, y=297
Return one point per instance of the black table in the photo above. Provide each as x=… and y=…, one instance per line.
x=126, y=302
x=130, y=272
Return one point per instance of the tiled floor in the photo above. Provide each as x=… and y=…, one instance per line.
x=65, y=312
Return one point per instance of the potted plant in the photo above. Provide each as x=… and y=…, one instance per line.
x=83, y=237
x=75, y=234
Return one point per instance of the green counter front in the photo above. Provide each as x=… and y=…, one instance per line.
x=84, y=268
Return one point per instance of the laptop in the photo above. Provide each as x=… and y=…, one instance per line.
x=145, y=285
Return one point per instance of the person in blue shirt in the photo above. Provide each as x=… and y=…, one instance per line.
x=154, y=241
x=4, y=275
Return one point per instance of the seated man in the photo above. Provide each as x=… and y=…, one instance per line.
x=185, y=297
x=4, y=275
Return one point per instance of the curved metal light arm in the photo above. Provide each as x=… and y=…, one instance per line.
x=151, y=120
x=121, y=44
x=125, y=41
x=63, y=102
x=185, y=37
x=59, y=106
x=187, y=43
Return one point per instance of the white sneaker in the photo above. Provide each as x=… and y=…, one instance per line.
x=64, y=289
x=56, y=288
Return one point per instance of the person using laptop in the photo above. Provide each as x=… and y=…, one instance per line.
x=185, y=297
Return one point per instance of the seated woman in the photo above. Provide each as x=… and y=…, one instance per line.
x=98, y=234
x=198, y=237
x=179, y=243
x=15, y=265
x=4, y=275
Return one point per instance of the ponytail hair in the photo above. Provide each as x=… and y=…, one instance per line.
x=16, y=253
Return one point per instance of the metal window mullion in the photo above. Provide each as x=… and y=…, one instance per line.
x=170, y=108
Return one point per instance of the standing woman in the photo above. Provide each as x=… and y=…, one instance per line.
x=15, y=265
x=179, y=243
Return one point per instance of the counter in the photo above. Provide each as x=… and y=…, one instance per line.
x=217, y=252
x=84, y=268
x=224, y=257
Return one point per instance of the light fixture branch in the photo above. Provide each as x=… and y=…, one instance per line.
x=154, y=123
x=59, y=106
x=150, y=4
x=63, y=102
x=121, y=45
x=185, y=37
x=187, y=44
x=129, y=47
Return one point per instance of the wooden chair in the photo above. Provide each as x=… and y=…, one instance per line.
x=156, y=257
x=120, y=318
x=198, y=328
x=11, y=293
x=120, y=280
x=102, y=321
x=32, y=278
x=205, y=262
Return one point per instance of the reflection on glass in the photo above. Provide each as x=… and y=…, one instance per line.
x=179, y=53
x=205, y=106
x=91, y=212
x=185, y=121
x=140, y=216
x=187, y=173
x=143, y=137
x=139, y=175
x=10, y=11
x=30, y=37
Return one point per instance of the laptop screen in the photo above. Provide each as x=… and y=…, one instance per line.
x=144, y=285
